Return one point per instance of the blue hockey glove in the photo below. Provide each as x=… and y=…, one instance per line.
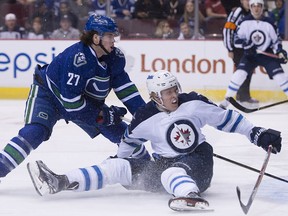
x=111, y=115
x=264, y=137
x=250, y=52
x=282, y=56
x=249, y=49
x=247, y=45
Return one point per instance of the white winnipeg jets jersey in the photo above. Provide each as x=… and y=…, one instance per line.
x=179, y=132
x=261, y=32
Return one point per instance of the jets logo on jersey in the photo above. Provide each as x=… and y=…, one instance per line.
x=182, y=136
x=79, y=59
x=258, y=37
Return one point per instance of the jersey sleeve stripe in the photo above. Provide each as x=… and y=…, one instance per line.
x=227, y=119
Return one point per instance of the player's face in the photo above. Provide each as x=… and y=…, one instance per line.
x=170, y=98
x=108, y=41
x=256, y=10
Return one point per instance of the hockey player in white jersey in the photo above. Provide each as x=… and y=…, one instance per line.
x=233, y=20
x=256, y=34
x=183, y=159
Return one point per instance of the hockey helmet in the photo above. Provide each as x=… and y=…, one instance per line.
x=161, y=80
x=101, y=24
x=251, y=2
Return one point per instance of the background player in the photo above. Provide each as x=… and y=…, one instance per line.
x=258, y=33
x=233, y=20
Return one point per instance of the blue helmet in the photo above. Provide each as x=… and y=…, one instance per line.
x=101, y=24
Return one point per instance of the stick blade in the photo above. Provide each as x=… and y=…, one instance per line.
x=247, y=110
x=244, y=208
x=240, y=107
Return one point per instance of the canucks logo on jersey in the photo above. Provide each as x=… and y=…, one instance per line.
x=79, y=59
x=182, y=136
x=119, y=53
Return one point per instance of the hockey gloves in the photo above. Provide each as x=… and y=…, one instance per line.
x=264, y=137
x=249, y=49
x=111, y=115
x=282, y=56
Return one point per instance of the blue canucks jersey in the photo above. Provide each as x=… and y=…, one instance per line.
x=72, y=87
x=78, y=79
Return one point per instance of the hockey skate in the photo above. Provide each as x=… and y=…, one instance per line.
x=47, y=182
x=192, y=202
x=250, y=103
x=224, y=104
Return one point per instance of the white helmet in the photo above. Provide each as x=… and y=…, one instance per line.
x=160, y=81
x=256, y=2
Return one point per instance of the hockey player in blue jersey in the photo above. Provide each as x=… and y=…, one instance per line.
x=183, y=160
x=256, y=34
x=74, y=87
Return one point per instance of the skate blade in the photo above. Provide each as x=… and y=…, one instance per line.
x=40, y=186
x=183, y=205
x=249, y=105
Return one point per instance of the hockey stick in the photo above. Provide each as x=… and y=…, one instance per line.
x=272, y=55
x=231, y=161
x=267, y=54
x=246, y=207
x=248, y=110
x=248, y=167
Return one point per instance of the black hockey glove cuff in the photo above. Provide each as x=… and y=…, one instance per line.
x=249, y=48
x=247, y=45
x=250, y=52
x=282, y=56
x=111, y=115
x=263, y=138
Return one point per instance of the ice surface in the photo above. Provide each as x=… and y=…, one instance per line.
x=69, y=148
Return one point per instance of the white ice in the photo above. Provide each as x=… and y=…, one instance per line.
x=69, y=147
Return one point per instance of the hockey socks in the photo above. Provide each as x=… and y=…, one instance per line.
x=109, y=172
x=176, y=181
x=236, y=81
x=282, y=81
x=19, y=147
x=13, y=154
